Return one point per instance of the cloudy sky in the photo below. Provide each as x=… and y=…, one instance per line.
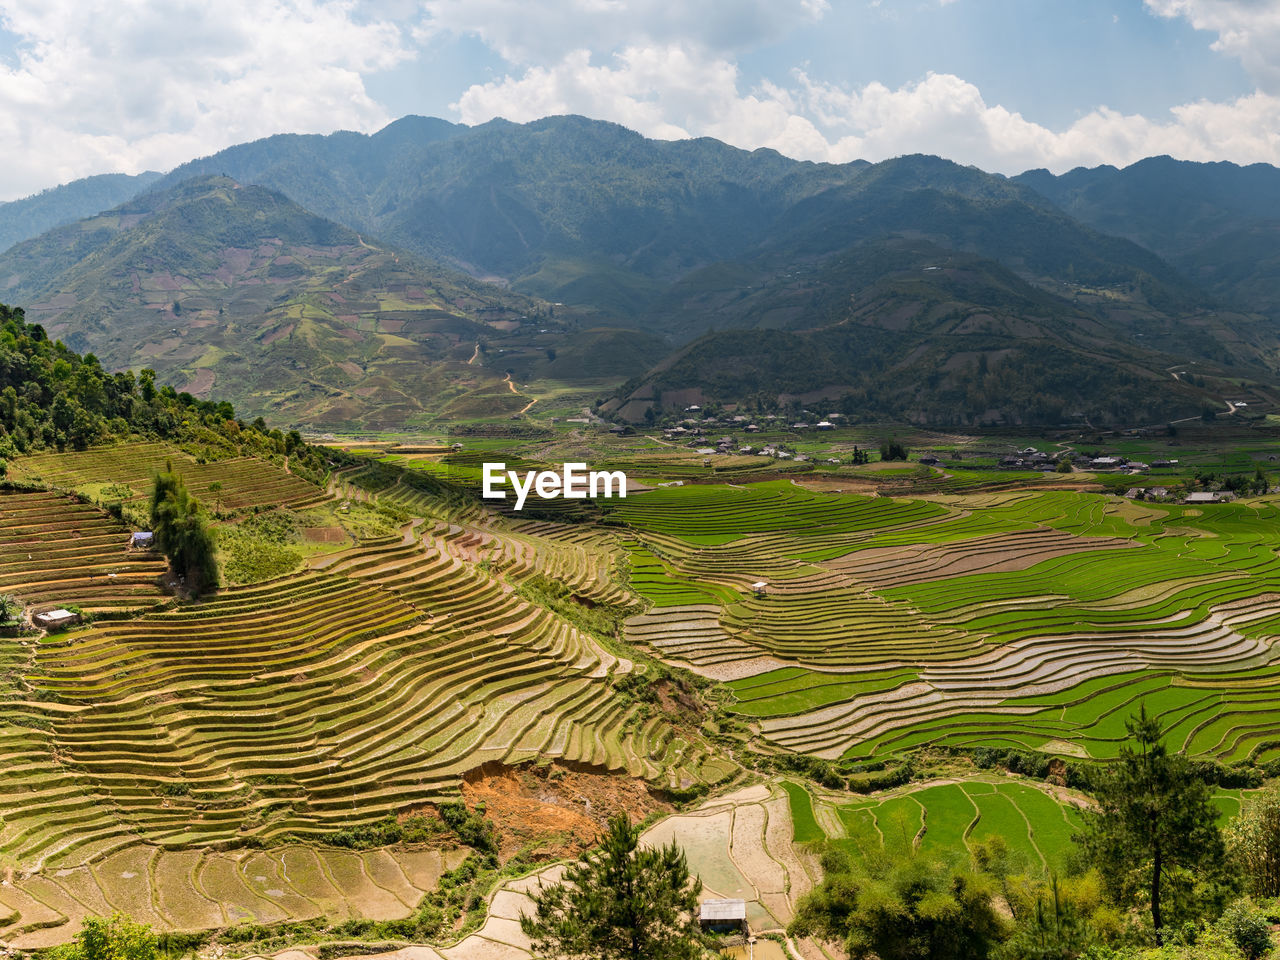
x=96, y=86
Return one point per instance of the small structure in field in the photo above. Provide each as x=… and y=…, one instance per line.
x=760, y=587
x=1218, y=496
x=56, y=619
x=142, y=540
x=723, y=916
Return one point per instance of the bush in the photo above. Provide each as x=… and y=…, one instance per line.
x=1246, y=926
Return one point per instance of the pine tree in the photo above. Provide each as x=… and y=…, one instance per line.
x=620, y=902
x=1154, y=817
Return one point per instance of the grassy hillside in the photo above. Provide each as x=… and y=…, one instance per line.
x=909, y=330
x=1217, y=222
x=31, y=216
x=237, y=292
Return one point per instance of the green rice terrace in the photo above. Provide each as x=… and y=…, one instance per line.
x=191, y=763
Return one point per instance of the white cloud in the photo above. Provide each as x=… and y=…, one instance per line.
x=672, y=91
x=1247, y=29
x=109, y=85
x=539, y=31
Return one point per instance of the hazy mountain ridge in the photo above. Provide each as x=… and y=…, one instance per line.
x=1219, y=223
x=29, y=217
x=286, y=312
x=680, y=239
x=909, y=329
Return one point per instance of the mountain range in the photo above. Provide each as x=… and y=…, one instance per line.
x=425, y=272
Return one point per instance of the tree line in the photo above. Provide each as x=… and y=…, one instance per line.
x=53, y=398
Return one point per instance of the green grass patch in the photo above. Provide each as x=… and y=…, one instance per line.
x=804, y=825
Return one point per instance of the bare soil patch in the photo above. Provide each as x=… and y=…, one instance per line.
x=201, y=383
x=323, y=534
x=556, y=810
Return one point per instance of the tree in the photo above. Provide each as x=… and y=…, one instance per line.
x=10, y=609
x=1253, y=839
x=893, y=450
x=620, y=902
x=908, y=907
x=178, y=522
x=111, y=938
x=1154, y=818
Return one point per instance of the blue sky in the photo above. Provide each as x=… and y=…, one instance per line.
x=1051, y=61
x=93, y=86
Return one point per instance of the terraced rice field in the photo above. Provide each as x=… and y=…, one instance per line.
x=202, y=889
x=370, y=683
x=279, y=712
x=56, y=552
x=991, y=619
x=947, y=818
x=246, y=482
x=739, y=845
x=302, y=705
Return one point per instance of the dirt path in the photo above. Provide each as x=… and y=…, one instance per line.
x=527, y=406
x=475, y=354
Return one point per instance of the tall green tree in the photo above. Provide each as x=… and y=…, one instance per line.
x=1253, y=840
x=1154, y=819
x=182, y=533
x=110, y=938
x=620, y=902
x=906, y=907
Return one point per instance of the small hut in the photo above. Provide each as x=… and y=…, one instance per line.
x=723, y=916
x=760, y=586
x=55, y=619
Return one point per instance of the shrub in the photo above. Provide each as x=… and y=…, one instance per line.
x=1246, y=926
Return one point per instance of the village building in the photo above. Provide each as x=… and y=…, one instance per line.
x=723, y=916
x=55, y=619
x=1210, y=496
